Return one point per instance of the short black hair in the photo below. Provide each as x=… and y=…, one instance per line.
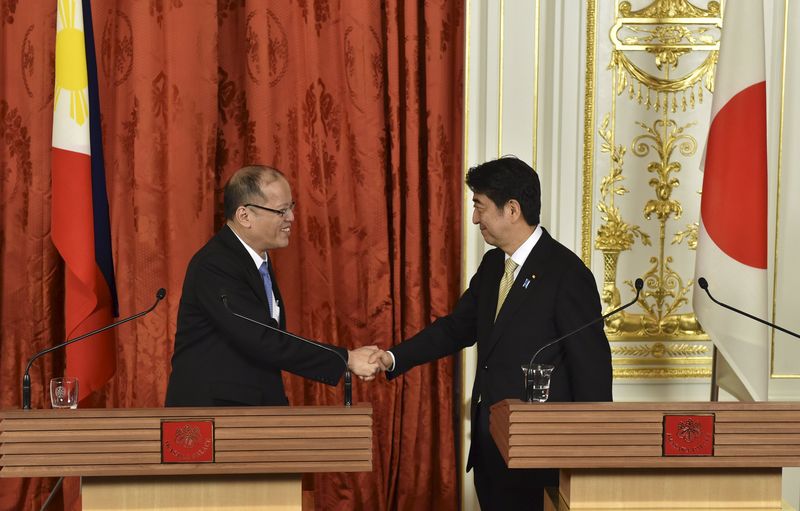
x=508, y=178
x=244, y=186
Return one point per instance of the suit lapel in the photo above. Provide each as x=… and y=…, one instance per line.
x=229, y=239
x=523, y=286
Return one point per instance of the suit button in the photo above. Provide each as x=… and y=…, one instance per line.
x=486, y=367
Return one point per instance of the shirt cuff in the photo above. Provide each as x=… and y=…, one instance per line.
x=393, y=361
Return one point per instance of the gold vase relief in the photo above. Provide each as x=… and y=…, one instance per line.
x=661, y=67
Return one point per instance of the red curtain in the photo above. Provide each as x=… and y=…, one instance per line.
x=360, y=104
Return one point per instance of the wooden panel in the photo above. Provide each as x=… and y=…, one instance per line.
x=81, y=436
x=567, y=451
x=585, y=427
x=760, y=439
x=73, y=447
x=293, y=467
x=590, y=439
x=294, y=421
x=610, y=435
x=305, y=432
x=295, y=455
x=128, y=441
x=628, y=462
x=757, y=427
x=291, y=443
x=673, y=490
x=238, y=493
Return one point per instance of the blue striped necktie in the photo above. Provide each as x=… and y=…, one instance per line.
x=267, y=284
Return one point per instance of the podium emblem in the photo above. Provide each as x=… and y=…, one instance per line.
x=187, y=441
x=688, y=435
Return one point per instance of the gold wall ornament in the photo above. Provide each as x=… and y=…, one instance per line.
x=664, y=137
x=662, y=60
x=671, y=9
x=660, y=350
x=667, y=30
x=661, y=373
x=689, y=235
x=615, y=235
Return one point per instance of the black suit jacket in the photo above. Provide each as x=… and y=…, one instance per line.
x=220, y=359
x=560, y=296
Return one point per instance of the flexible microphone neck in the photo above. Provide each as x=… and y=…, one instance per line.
x=703, y=283
x=638, y=284
x=26, y=378
x=348, y=389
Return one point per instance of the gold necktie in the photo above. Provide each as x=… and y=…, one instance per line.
x=505, y=284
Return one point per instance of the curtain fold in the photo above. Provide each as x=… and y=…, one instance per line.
x=359, y=103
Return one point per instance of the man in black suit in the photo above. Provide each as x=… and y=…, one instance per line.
x=221, y=359
x=549, y=293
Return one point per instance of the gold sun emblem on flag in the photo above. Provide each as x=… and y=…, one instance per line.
x=71, y=63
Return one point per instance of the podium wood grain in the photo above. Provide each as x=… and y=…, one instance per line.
x=610, y=454
x=260, y=454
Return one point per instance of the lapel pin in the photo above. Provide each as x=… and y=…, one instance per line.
x=526, y=283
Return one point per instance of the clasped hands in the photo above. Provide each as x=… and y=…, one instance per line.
x=367, y=361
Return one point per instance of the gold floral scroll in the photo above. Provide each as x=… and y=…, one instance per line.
x=661, y=58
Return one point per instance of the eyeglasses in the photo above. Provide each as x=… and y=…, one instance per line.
x=279, y=212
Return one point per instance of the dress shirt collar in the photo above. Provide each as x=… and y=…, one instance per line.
x=524, y=250
x=258, y=259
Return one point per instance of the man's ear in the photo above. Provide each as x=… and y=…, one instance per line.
x=514, y=208
x=242, y=216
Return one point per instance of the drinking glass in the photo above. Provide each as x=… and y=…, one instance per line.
x=64, y=392
x=537, y=382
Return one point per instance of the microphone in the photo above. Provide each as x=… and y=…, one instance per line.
x=703, y=283
x=638, y=284
x=26, y=378
x=348, y=386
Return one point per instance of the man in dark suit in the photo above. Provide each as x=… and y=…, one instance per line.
x=221, y=359
x=548, y=292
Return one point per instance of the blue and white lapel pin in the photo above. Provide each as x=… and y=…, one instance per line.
x=528, y=281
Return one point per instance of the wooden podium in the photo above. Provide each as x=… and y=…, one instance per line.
x=232, y=458
x=645, y=456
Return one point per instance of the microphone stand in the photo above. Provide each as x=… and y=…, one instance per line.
x=638, y=284
x=348, y=386
x=26, y=378
x=703, y=283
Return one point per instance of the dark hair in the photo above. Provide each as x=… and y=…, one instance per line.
x=508, y=178
x=245, y=186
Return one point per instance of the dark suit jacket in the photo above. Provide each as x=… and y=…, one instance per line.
x=220, y=359
x=561, y=295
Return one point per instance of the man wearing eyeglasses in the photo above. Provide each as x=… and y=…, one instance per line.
x=221, y=359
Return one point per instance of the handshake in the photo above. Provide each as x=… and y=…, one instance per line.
x=367, y=361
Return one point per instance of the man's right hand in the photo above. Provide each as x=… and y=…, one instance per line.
x=382, y=358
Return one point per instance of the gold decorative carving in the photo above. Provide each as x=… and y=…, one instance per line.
x=648, y=373
x=659, y=90
x=665, y=31
x=614, y=234
x=660, y=350
x=661, y=362
x=670, y=9
x=689, y=235
x=588, y=133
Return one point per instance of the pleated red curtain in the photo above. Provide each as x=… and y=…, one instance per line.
x=359, y=103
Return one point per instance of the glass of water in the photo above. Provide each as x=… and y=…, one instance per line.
x=537, y=382
x=64, y=392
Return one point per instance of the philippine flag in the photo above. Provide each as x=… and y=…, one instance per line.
x=80, y=220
